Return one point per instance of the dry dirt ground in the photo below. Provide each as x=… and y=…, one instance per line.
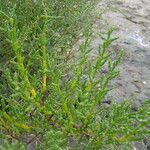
x=132, y=21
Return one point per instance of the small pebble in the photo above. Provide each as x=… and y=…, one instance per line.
x=134, y=148
x=59, y=50
x=81, y=34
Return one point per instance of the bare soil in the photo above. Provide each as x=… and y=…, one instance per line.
x=132, y=21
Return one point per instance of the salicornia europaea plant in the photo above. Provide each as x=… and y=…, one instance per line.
x=56, y=100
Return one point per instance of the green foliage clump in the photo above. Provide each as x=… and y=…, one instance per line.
x=12, y=146
x=58, y=100
x=66, y=19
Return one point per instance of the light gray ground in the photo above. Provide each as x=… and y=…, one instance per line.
x=132, y=20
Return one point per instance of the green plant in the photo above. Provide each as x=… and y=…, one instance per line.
x=56, y=99
x=12, y=146
x=67, y=21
